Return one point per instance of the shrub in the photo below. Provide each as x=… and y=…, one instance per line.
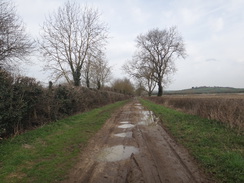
x=25, y=104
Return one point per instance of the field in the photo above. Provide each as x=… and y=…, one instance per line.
x=226, y=108
x=206, y=90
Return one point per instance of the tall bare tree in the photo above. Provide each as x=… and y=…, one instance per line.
x=156, y=52
x=96, y=71
x=69, y=36
x=100, y=71
x=142, y=73
x=86, y=70
x=15, y=44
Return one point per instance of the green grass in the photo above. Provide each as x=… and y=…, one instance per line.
x=47, y=153
x=217, y=148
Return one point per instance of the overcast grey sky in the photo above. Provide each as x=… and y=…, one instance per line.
x=213, y=31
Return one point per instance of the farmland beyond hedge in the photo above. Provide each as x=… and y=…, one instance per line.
x=228, y=109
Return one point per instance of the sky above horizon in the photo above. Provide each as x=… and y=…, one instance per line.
x=213, y=32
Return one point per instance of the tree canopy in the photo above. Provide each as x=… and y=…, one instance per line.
x=70, y=37
x=154, y=58
x=15, y=43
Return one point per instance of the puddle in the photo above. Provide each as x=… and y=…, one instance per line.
x=148, y=118
x=126, y=126
x=127, y=134
x=117, y=153
x=138, y=104
x=124, y=122
x=139, y=107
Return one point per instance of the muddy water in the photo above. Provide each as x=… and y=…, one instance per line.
x=117, y=153
x=126, y=126
x=124, y=122
x=127, y=134
x=121, y=152
x=133, y=147
x=147, y=118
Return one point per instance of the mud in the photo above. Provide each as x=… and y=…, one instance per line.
x=133, y=147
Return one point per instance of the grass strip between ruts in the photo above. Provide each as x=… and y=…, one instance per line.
x=217, y=148
x=46, y=154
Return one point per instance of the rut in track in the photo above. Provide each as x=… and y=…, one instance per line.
x=133, y=147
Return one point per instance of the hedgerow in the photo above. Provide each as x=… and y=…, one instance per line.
x=26, y=104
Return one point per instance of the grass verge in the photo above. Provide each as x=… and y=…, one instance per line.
x=47, y=153
x=219, y=149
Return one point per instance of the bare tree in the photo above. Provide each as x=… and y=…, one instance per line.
x=156, y=52
x=86, y=70
x=69, y=36
x=142, y=73
x=96, y=71
x=100, y=71
x=15, y=44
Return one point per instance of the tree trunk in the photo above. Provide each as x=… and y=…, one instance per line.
x=76, y=81
x=87, y=82
x=98, y=85
x=160, y=89
x=76, y=78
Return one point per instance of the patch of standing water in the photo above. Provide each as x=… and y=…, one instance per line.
x=117, y=153
x=139, y=107
x=137, y=104
x=126, y=126
x=147, y=118
x=127, y=134
x=124, y=122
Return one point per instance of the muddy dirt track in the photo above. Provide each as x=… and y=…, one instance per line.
x=133, y=147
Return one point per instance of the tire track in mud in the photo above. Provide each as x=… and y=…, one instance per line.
x=132, y=147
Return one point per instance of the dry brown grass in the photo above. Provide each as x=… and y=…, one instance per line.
x=227, y=108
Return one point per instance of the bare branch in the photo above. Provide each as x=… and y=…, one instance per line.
x=155, y=56
x=69, y=36
x=15, y=44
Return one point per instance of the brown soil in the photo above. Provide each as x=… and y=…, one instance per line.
x=133, y=147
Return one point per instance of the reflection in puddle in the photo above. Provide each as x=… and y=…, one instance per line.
x=126, y=126
x=124, y=122
x=117, y=153
x=137, y=104
x=127, y=134
x=147, y=118
x=145, y=123
x=139, y=107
